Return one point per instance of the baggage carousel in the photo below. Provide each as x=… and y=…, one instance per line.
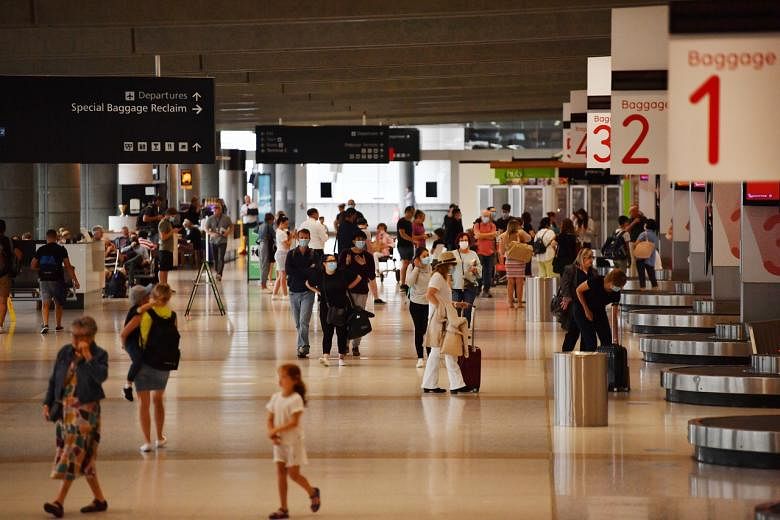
x=751, y=441
x=702, y=317
x=768, y=511
x=728, y=346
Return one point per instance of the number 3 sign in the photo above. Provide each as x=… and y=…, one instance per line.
x=723, y=93
x=639, y=127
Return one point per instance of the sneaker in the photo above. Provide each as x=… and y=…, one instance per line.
x=127, y=392
x=59, y=328
x=342, y=361
x=356, y=352
x=379, y=301
x=464, y=390
x=324, y=360
x=161, y=443
x=420, y=363
x=303, y=352
x=95, y=507
x=146, y=447
x=433, y=390
x=44, y=329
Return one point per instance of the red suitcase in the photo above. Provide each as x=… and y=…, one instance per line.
x=471, y=366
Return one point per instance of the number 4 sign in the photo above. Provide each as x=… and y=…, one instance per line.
x=723, y=93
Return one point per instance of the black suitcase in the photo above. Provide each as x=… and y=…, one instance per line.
x=471, y=367
x=618, y=379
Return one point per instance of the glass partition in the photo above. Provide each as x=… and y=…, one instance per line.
x=533, y=203
x=596, y=212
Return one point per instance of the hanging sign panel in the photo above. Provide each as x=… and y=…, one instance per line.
x=599, y=126
x=322, y=144
x=566, y=133
x=137, y=120
x=639, y=83
x=723, y=84
x=578, y=132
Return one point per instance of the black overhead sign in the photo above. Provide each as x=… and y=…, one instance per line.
x=404, y=144
x=322, y=144
x=106, y=120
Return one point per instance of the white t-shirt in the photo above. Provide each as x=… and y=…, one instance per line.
x=283, y=409
x=245, y=216
x=281, y=237
x=445, y=292
x=318, y=235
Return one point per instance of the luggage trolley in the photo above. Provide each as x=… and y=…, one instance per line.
x=388, y=261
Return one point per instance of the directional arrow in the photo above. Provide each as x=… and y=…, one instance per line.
x=197, y=96
x=197, y=109
x=196, y=147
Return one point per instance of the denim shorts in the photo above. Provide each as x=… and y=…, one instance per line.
x=52, y=291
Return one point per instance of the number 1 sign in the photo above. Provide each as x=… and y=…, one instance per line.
x=723, y=94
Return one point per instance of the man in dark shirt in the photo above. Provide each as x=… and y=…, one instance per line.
x=151, y=217
x=503, y=222
x=453, y=229
x=347, y=230
x=8, y=250
x=359, y=262
x=590, y=313
x=51, y=261
x=301, y=266
x=635, y=228
x=404, y=243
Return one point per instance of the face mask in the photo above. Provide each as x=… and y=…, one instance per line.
x=505, y=214
x=485, y=219
x=450, y=269
x=360, y=244
x=351, y=206
x=303, y=242
x=615, y=288
x=427, y=260
x=331, y=267
x=463, y=245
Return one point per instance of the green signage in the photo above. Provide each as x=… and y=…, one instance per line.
x=506, y=174
x=253, y=256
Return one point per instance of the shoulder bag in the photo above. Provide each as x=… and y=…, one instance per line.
x=644, y=250
x=358, y=322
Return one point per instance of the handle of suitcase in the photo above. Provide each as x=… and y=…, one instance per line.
x=461, y=311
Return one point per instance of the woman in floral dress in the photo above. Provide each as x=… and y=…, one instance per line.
x=73, y=402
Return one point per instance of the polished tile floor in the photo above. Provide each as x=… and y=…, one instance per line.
x=377, y=448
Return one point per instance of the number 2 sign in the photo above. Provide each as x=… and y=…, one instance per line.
x=639, y=128
x=723, y=93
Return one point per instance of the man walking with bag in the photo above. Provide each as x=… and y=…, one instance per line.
x=301, y=266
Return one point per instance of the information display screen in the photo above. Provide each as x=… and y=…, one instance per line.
x=404, y=144
x=139, y=120
x=322, y=144
x=761, y=194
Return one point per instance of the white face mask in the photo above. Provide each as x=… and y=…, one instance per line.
x=463, y=245
x=485, y=219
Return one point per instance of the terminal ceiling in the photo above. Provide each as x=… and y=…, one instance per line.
x=327, y=61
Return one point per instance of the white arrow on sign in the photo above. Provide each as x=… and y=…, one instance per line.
x=197, y=96
x=197, y=109
x=196, y=147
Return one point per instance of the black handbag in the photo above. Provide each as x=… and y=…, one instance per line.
x=55, y=411
x=336, y=316
x=358, y=321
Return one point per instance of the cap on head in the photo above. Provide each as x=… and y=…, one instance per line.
x=139, y=292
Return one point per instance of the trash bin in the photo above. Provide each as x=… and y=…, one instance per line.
x=580, y=388
x=539, y=294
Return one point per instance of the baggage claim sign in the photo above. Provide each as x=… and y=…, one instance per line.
x=111, y=120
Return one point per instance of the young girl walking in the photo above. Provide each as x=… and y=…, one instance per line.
x=286, y=432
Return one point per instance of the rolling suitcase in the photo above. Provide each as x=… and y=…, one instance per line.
x=471, y=366
x=618, y=378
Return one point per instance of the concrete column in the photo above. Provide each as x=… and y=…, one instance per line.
x=681, y=235
x=58, y=204
x=666, y=198
x=760, y=263
x=206, y=178
x=16, y=198
x=230, y=177
x=697, y=254
x=726, y=210
x=406, y=179
x=98, y=194
x=283, y=186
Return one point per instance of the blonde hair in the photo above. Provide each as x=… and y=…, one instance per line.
x=581, y=255
x=162, y=293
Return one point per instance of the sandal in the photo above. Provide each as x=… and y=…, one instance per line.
x=95, y=507
x=315, y=506
x=54, y=508
x=281, y=513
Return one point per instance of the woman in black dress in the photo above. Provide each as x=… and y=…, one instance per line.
x=567, y=246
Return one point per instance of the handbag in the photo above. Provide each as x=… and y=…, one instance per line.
x=358, y=322
x=55, y=411
x=644, y=250
x=336, y=316
x=520, y=252
x=467, y=284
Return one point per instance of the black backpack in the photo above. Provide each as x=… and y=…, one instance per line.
x=161, y=350
x=540, y=247
x=614, y=247
x=9, y=265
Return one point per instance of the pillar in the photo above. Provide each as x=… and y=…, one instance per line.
x=405, y=179
x=726, y=210
x=666, y=212
x=697, y=251
x=206, y=177
x=230, y=175
x=98, y=194
x=760, y=263
x=680, y=235
x=58, y=201
x=283, y=186
x=16, y=198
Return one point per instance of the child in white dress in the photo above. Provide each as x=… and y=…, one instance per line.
x=286, y=432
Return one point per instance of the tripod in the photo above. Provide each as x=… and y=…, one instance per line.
x=205, y=268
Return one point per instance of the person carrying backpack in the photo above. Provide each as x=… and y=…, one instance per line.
x=9, y=266
x=616, y=247
x=51, y=261
x=544, y=248
x=159, y=339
